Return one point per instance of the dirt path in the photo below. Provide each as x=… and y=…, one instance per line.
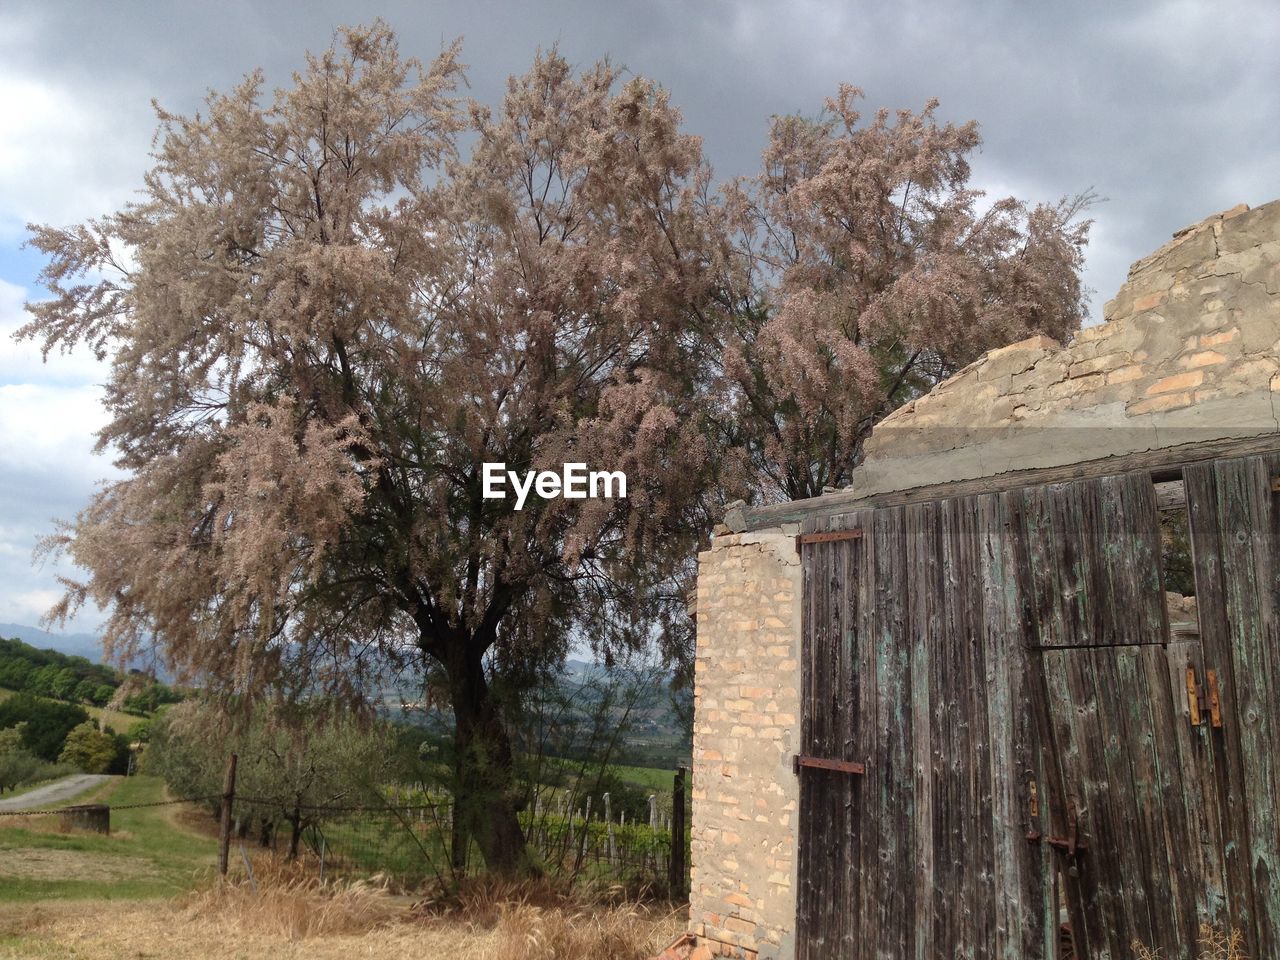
x=55, y=792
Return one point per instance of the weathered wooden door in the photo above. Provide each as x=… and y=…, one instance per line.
x=1234, y=510
x=1161, y=749
x=1124, y=817
x=914, y=666
x=1003, y=668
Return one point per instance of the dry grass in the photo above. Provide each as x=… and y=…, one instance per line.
x=166, y=931
x=1215, y=944
x=538, y=921
x=42, y=863
x=291, y=916
x=284, y=902
x=618, y=932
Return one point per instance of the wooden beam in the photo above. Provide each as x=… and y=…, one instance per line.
x=1164, y=464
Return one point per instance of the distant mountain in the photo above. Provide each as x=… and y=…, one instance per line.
x=72, y=644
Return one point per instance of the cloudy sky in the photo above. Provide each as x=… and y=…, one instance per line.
x=1168, y=109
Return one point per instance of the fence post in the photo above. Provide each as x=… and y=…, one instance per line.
x=228, y=798
x=608, y=819
x=677, y=836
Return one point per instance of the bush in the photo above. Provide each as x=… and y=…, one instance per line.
x=90, y=749
x=46, y=723
x=19, y=766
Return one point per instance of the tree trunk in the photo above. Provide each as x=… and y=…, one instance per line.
x=486, y=803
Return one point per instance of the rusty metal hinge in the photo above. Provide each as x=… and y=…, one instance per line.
x=1194, y=696
x=1197, y=698
x=822, y=763
x=1215, y=703
x=832, y=536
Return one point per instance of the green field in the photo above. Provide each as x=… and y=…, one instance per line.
x=651, y=778
x=148, y=854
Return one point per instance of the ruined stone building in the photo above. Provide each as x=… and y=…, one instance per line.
x=950, y=710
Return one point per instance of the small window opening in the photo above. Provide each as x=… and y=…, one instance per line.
x=1177, y=564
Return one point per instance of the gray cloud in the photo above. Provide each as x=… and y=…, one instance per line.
x=1166, y=108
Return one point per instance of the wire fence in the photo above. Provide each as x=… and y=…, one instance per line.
x=418, y=842
x=412, y=843
x=52, y=811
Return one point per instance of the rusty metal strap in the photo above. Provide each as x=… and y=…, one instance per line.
x=822, y=763
x=830, y=537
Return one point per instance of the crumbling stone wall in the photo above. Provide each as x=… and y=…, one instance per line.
x=747, y=703
x=1190, y=350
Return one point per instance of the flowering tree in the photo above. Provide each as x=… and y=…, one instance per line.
x=324, y=316
x=867, y=271
x=323, y=320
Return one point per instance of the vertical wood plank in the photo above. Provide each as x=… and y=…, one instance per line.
x=925, y=563
x=1201, y=486
x=1248, y=531
x=895, y=808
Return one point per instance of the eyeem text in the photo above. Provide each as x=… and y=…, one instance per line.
x=574, y=482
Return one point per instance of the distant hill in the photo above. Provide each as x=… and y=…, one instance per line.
x=72, y=644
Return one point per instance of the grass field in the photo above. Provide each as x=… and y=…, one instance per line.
x=651, y=778
x=148, y=854
x=334, y=925
x=118, y=721
x=149, y=891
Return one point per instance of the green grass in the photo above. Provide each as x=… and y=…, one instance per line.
x=117, y=720
x=655, y=779
x=652, y=778
x=147, y=855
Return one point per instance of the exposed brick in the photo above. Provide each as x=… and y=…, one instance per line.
x=1204, y=358
x=747, y=683
x=1133, y=371
x=1170, y=401
x=1218, y=339
x=1179, y=381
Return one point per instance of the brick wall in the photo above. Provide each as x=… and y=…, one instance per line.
x=746, y=729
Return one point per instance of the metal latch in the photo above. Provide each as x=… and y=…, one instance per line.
x=1194, y=696
x=1071, y=844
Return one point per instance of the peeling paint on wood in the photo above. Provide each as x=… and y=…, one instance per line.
x=1002, y=665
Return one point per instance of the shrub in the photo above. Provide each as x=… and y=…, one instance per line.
x=46, y=723
x=90, y=749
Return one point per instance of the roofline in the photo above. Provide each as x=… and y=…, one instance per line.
x=1164, y=464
